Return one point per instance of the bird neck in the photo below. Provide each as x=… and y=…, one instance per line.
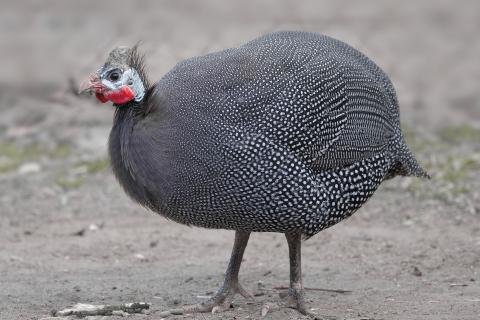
x=133, y=108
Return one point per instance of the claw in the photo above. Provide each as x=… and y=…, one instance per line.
x=221, y=301
x=222, y=307
x=244, y=293
x=295, y=299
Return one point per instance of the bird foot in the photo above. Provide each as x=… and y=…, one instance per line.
x=295, y=299
x=220, y=302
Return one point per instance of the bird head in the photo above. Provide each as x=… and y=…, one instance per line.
x=120, y=80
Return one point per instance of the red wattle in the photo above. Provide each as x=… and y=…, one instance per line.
x=120, y=96
x=101, y=97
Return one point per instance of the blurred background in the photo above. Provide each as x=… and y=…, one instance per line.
x=69, y=234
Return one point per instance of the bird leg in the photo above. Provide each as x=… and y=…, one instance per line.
x=295, y=296
x=223, y=298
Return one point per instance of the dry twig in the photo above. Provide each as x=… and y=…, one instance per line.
x=83, y=310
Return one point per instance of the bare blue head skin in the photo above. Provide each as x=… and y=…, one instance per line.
x=120, y=79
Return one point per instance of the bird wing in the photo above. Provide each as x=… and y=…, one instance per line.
x=330, y=115
x=353, y=118
x=323, y=99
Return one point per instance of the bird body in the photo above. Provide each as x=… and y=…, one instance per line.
x=291, y=132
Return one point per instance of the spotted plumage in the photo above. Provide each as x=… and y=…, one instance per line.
x=291, y=132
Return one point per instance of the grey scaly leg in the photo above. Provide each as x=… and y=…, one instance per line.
x=295, y=298
x=223, y=298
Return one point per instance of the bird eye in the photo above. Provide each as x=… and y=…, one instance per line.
x=114, y=76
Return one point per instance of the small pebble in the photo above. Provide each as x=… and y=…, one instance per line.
x=416, y=272
x=79, y=233
x=118, y=313
x=265, y=310
x=176, y=312
x=29, y=167
x=141, y=257
x=164, y=314
x=63, y=200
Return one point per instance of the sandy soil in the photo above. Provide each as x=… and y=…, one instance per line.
x=69, y=234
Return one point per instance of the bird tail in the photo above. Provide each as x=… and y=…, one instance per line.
x=407, y=165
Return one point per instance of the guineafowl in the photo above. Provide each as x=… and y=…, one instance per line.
x=291, y=132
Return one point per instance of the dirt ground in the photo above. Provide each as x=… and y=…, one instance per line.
x=69, y=234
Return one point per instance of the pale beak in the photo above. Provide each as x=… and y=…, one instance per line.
x=91, y=85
